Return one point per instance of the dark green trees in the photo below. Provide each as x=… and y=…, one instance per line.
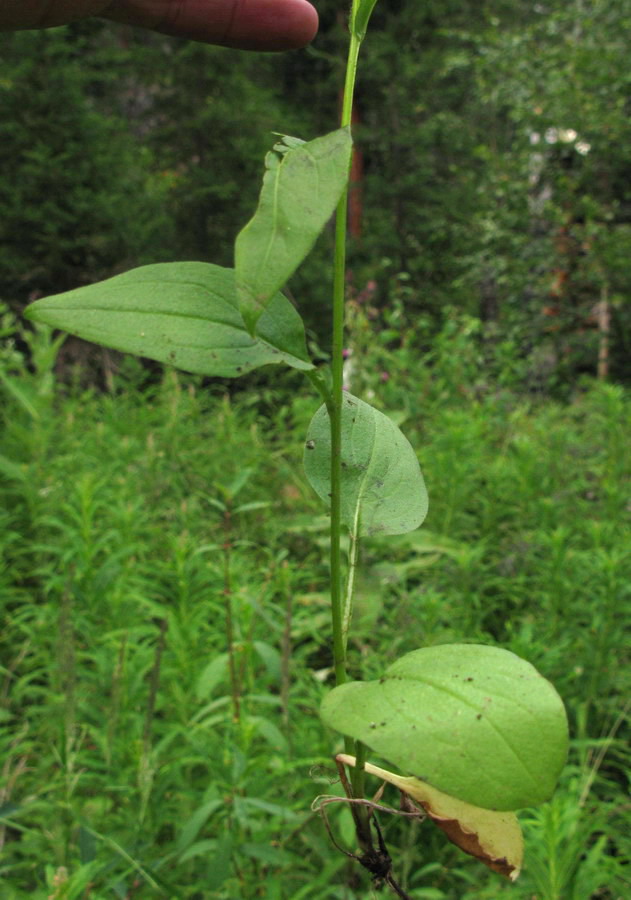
x=76, y=197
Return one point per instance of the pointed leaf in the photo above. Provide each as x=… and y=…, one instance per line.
x=476, y=722
x=211, y=675
x=302, y=185
x=494, y=838
x=383, y=491
x=11, y=469
x=183, y=314
x=21, y=396
x=362, y=16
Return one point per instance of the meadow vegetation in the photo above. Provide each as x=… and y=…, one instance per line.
x=164, y=639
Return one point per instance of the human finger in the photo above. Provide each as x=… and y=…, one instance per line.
x=243, y=24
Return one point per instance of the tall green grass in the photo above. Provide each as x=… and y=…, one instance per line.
x=164, y=628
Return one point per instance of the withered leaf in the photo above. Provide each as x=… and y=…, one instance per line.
x=493, y=837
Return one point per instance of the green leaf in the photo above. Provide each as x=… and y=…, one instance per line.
x=270, y=658
x=383, y=491
x=219, y=866
x=287, y=143
x=363, y=14
x=270, y=854
x=11, y=469
x=211, y=675
x=270, y=732
x=199, y=848
x=21, y=396
x=195, y=823
x=476, y=722
x=183, y=314
x=302, y=185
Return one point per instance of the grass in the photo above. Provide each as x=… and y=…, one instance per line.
x=164, y=630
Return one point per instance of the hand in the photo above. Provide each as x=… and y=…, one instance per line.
x=245, y=24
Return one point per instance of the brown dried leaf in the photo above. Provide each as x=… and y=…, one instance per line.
x=493, y=837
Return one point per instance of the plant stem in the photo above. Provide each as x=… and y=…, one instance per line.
x=318, y=381
x=358, y=771
x=285, y=646
x=353, y=557
x=227, y=592
x=154, y=684
x=341, y=607
x=335, y=410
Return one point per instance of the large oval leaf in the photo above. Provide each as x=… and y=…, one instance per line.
x=382, y=486
x=184, y=314
x=302, y=185
x=493, y=837
x=476, y=722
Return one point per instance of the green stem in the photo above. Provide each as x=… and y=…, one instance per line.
x=335, y=409
x=358, y=771
x=319, y=382
x=227, y=592
x=353, y=557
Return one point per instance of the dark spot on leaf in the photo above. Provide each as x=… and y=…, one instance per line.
x=469, y=679
x=479, y=716
x=310, y=445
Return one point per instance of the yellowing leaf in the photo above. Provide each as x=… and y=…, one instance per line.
x=494, y=838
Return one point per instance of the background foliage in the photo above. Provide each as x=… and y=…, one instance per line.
x=148, y=528
x=493, y=163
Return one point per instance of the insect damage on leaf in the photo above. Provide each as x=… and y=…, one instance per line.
x=286, y=143
x=302, y=185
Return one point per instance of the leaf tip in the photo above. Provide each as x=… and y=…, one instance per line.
x=31, y=312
